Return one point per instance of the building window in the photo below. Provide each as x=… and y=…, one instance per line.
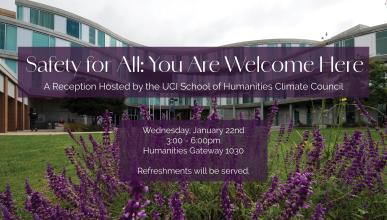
x=8, y=37
x=40, y=40
x=34, y=16
x=72, y=44
x=19, y=12
x=113, y=42
x=46, y=19
x=92, y=35
x=345, y=43
x=42, y=18
x=101, y=38
x=349, y=43
x=381, y=42
x=11, y=38
x=52, y=41
x=2, y=36
x=247, y=99
x=12, y=64
x=73, y=28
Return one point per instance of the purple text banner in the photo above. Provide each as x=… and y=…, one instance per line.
x=187, y=71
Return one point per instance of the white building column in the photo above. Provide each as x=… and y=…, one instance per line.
x=291, y=112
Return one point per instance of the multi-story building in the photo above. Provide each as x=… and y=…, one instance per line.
x=39, y=25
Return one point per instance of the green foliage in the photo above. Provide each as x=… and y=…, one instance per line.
x=378, y=83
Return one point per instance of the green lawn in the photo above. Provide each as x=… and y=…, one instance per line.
x=23, y=157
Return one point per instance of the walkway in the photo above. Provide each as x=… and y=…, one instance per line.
x=45, y=132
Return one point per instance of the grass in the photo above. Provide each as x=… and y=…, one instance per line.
x=23, y=157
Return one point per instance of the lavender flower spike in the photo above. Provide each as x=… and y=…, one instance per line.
x=226, y=202
x=176, y=207
x=319, y=212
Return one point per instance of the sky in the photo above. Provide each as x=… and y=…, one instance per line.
x=220, y=22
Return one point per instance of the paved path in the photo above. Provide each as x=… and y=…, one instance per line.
x=45, y=132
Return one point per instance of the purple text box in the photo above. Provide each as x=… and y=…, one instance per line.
x=171, y=150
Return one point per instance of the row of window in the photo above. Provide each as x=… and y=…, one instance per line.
x=345, y=43
x=67, y=26
x=284, y=45
x=12, y=37
x=380, y=40
x=187, y=101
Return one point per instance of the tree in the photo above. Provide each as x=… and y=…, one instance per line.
x=378, y=88
x=378, y=84
x=94, y=106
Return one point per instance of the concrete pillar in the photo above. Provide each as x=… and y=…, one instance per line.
x=20, y=116
x=4, y=108
x=12, y=112
x=26, y=117
x=233, y=108
x=262, y=109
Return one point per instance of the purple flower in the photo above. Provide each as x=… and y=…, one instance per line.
x=214, y=115
x=61, y=186
x=145, y=113
x=297, y=191
x=27, y=187
x=319, y=212
x=360, y=107
x=177, y=207
x=226, y=204
x=355, y=172
x=269, y=198
x=196, y=111
x=338, y=155
x=159, y=199
x=241, y=195
x=106, y=125
x=6, y=201
x=42, y=208
x=5, y=213
x=315, y=154
x=156, y=215
x=135, y=208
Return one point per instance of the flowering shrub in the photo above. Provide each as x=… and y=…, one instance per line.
x=344, y=179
